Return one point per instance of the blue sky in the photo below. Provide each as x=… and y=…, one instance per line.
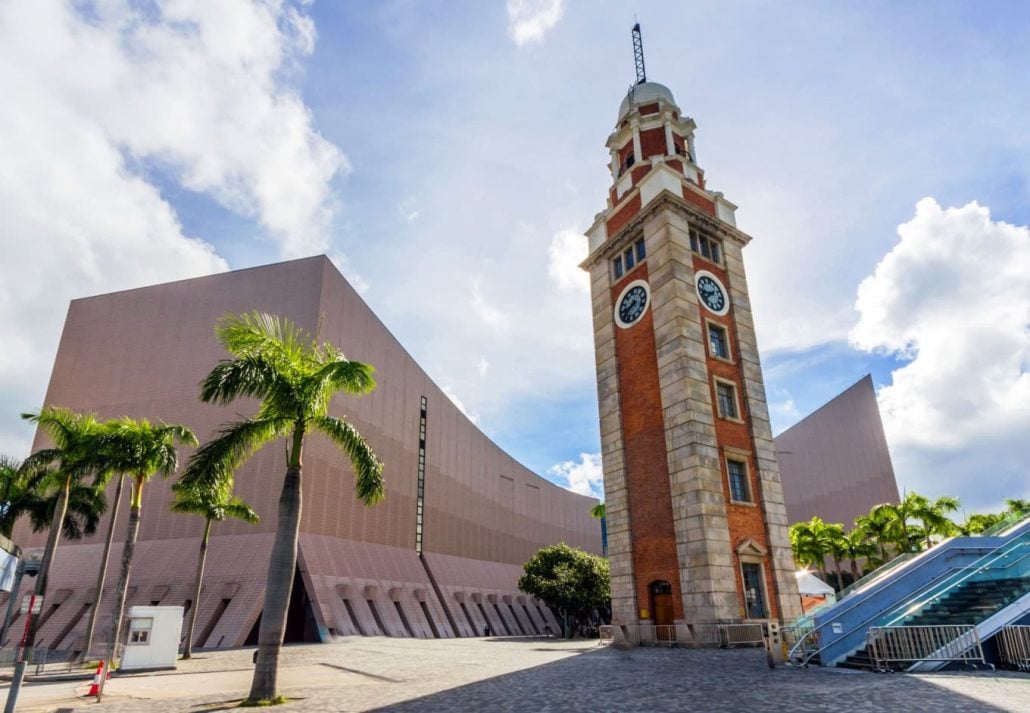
x=448, y=157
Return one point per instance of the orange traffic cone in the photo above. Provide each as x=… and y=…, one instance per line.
x=95, y=688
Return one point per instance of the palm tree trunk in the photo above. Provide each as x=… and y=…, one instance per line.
x=281, y=567
x=187, y=647
x=854, y=570
x=102, y=574
x=840, y=576
x=54, y=538
x=123, y=579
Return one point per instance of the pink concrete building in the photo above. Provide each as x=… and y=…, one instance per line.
x=142, y=353
x=834, y=463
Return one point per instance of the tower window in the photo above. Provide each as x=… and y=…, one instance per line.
x=630, y=257
x=738, y=481
x=704, y=246
x=726, y=400
x=718, y=345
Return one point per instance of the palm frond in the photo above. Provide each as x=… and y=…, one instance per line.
x=239, y=510
x=217, y=459
x=261, y=333
x=354, y=377
x=368, y=469
x=250, y=375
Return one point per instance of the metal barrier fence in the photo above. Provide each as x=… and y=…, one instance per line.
x=1014, y=647
x=889, y=645
x=725, y=635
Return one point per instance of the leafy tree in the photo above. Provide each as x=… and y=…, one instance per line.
x=572, y=582
x=139, y=449
x=598, y=511
x=214, y=504
x=295, y=378
x=857, y=545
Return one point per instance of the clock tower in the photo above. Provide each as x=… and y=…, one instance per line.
x=697, y=528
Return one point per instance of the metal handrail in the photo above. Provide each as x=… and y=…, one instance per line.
x=1014, y=647
x=934, y=642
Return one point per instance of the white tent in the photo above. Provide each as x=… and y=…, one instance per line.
x=811, y=586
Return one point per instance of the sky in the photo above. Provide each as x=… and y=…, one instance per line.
x=449, y=156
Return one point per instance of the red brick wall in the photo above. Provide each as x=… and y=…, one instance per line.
x=624, y=215
x=745, y=521
x=652, y=143
x=647, y=470
x=701, y=202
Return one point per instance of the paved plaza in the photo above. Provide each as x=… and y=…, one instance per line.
x=362, y=674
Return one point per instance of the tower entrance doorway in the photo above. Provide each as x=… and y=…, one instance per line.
x=661, y=608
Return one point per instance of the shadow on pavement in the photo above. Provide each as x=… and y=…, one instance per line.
x=709, y=680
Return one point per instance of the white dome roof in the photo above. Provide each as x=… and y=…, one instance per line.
x=645, y=93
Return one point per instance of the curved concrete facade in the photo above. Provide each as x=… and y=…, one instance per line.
x=142, y=353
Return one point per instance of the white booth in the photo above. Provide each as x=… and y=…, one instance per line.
x=153, y=641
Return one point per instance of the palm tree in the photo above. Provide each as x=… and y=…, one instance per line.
x=878, y=527
x=857, y=545
x=977, y=523
x=933, y=515
x=75, y=453
x=1017, y=507
x=833, y=535
x=598, y=511
x=105, y=557
x=809, y=544
x=139, y=449
x=214, y=505
x=295, y=378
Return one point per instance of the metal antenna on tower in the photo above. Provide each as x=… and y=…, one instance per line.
x=638, y=54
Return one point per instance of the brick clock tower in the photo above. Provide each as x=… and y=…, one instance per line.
x=697, y=528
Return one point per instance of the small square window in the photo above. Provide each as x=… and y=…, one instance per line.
x=693, y=241
x=726, y=395
x=617, y=267
x=715, y=252
x=641, y=250
x=139, y=631
x=628, y=259
x=708, y=248
x=717, y=344
x=738, y=481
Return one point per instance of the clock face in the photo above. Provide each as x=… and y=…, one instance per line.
x=712, y=293
x=632, y=303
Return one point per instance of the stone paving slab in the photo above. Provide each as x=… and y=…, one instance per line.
x=362, y=674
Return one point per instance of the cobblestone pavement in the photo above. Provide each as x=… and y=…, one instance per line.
x=360, y=674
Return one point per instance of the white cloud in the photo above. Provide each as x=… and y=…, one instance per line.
x=568, y=248
x=482, y=366
x=470, y=415
x=954, y=297
x=530, y=20
x=487, y=312
x=102, y=113
x=584, y=477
